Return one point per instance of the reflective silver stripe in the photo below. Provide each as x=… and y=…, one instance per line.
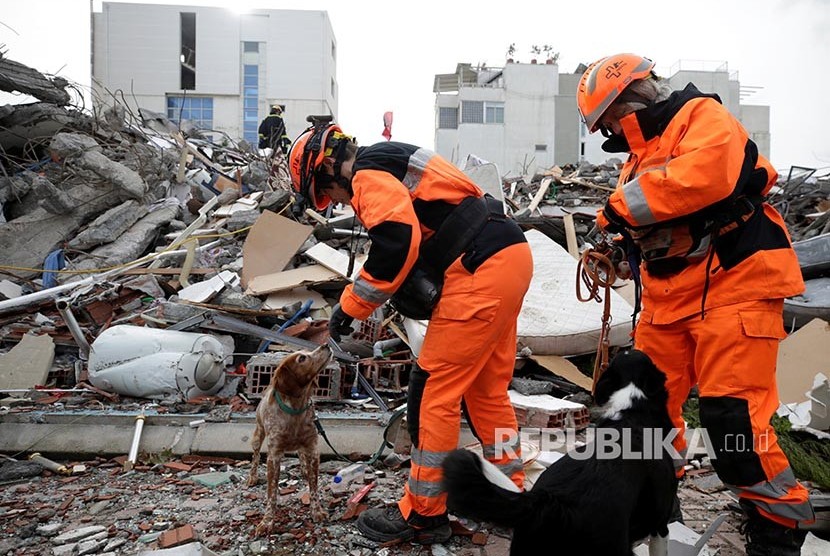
x=365, y=290
x=796, y=512
x=428, y=459
x=777, y=488
x=415, y=169
x=637, y=204
x=510, y=445
x=425, y=488
x=513, y=466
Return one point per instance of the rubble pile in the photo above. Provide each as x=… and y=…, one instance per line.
x=154, y=269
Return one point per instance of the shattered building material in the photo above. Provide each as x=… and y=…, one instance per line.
x=260, y=369
x=27, y=364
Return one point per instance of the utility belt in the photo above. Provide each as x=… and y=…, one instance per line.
x=421, y=290
x=668, y=249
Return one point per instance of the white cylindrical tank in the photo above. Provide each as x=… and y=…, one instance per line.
x=155, y=363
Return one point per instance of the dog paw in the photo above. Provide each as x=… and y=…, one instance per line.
x=319, y=514
x=252, y=480
x=264, y=528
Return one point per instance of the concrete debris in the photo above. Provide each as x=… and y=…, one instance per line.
x=189, y=274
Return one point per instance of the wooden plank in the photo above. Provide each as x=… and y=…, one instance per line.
x=570, y=235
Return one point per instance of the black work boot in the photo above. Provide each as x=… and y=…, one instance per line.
x=765, y=537
x=388, y=524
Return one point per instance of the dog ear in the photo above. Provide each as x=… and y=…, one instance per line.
x=608, y=383
x=653, y=379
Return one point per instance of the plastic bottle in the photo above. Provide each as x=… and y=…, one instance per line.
x=347, y=475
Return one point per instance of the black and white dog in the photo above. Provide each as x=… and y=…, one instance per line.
x=586, y=503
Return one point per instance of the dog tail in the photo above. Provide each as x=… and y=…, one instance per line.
x=478, y=490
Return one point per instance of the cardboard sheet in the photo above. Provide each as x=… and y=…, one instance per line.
x=271, y=244
x=290, y=279
x=565, y=369
x=802, y=355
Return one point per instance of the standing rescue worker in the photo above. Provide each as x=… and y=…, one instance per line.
x=429, y=223
x=272, y=132
x=715, y=263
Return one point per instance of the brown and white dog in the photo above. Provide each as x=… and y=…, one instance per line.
x=286, y=418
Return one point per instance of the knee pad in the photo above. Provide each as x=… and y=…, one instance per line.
x=728, y=425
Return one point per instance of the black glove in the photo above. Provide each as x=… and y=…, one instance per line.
x=340, y=323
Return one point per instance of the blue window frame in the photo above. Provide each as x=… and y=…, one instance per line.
x=250, y=102
x=198, y=110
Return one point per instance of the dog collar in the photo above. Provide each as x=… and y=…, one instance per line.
x=287, y=408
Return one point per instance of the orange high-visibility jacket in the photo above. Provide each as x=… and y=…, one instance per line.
x=402, y=194
x=692, y=164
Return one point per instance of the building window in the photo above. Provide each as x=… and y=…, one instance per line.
x=248, y=46
x=472, y=112
x=494, y=112
x=187, y=58
x=541, y=148
x=482, y=112
x=198, y=110
x=250, y=103
x=447, y=118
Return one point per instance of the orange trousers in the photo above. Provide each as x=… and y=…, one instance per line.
x=731, y=355
x=468, y=354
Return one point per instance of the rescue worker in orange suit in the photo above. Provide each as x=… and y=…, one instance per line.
x=423, y=215
x=272, y=132
x=715, y=263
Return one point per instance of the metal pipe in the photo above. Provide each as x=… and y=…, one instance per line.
x=133, y=455
x=50, y=465
x=52, y=293
x=380, y=346
x=74, y=328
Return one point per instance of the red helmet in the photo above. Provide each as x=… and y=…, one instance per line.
x=307, y=154
x=603, y=82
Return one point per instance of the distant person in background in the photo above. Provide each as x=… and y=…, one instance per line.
x=272, y=133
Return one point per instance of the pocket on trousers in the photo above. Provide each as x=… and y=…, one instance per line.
x=461, y=325
x=762, y=324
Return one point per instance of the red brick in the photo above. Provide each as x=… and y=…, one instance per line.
x=177, y=536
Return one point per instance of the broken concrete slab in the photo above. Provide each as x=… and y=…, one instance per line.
x=16, y=77
x=109, y=226
x=28, y=363
x=51, y=198
x=27, y=240
x=124, y=179
x=133, y=243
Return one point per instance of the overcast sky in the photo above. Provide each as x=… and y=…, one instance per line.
x=389, y=52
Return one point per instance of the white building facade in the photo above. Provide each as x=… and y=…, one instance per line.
x=524, y=117
x=217, y=68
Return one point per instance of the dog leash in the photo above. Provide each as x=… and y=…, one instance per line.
x=596, y=271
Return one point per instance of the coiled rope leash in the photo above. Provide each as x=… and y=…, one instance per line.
x=596, y=271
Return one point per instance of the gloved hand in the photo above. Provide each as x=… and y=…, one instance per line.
x=340, y=323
